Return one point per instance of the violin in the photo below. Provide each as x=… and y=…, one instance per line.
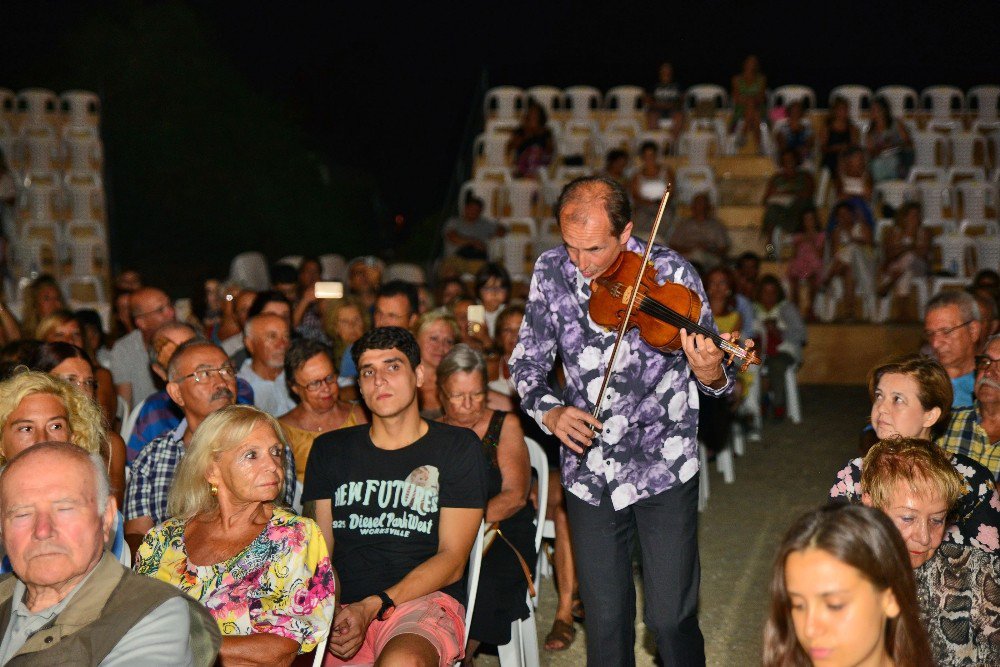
x=627, y=296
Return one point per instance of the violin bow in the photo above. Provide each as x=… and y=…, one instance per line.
x=633, y=293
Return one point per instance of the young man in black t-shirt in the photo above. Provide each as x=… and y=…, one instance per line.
x=399, y=502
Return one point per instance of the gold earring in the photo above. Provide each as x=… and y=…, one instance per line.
x=214, y=489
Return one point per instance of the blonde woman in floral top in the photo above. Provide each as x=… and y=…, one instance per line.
x=263, y=572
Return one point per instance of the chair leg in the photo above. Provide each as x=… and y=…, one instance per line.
x=703, y=484
x=792, y=395
x=725, y=464
x=529, y=641
x=739, y=442
x=510, y=653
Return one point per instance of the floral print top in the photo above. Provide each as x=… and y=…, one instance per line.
x=977, y=512
x=650, y=413
x=282, y=583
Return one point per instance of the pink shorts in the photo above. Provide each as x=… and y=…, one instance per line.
x=437, y=617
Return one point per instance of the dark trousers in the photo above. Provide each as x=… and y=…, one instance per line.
x=667, y=527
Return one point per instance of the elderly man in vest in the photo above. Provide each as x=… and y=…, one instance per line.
x=68, y=601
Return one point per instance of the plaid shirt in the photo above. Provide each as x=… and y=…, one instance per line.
x=153, y=473
x=966, y=435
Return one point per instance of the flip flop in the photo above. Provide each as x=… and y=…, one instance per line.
x=563, y=633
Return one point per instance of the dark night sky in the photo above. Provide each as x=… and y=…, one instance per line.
x=386, y=88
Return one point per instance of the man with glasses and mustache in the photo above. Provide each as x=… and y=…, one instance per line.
x=201, y=380
x=150, y=308
x=975, y=431
x=951, y=329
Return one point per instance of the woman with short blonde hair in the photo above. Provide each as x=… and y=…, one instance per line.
x=264, y=572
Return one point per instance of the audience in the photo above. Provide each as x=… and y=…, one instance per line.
x=364, y=277
x=307, y=317
x=395, y=305
x=951, y=329
x=42, y=297
x=616, y=164
x=701, y=237
x=241, y=313
x=312, y=383
x=267, y=338
x=782, y=334
x=842, y=593
x=505, y=576
x=839, y=132
x=436, y=334
x=911, y=398
x=262, y=571
x=531, y=145
x=69, y=602
x=906, y=252
x=788, y=194
x=958, y=586
x=749, y=88
x=150, y=308
x=888, y=144
x=493, y=291
x=806, y=264
x=200, y=380
x=665, y=100
x=466, y=240
x=716, y=412
x=646, y=189
x=852, y=255
x=796, y=134
x=975, y=431
x=401, y=556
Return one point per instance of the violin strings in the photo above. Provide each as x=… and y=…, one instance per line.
x=671, y=316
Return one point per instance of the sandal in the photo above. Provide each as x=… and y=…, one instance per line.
x=560, y=637
x=578, y=612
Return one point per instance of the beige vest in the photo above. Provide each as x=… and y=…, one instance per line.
x=110, y=603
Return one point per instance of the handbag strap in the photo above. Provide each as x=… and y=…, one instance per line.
x=520, y=559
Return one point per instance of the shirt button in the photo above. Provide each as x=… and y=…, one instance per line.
x=608, y=463
x=48, y=639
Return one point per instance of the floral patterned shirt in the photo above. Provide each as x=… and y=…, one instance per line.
x=282, y=583
x=650, y=414
x=977, y=512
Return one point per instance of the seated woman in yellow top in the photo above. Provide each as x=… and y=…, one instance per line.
x=262, y=571
x=312, y=383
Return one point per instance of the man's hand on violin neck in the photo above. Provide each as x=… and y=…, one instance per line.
x=572, y=426
x=705, y=358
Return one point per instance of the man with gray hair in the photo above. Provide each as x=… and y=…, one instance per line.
x=267, y=337
x=951, y=329
x=201, y=380
x=68, y=600
x=975, y=431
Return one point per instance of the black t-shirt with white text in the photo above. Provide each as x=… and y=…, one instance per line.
x=387, y=503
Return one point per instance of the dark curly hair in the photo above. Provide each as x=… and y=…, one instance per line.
x=387, y=338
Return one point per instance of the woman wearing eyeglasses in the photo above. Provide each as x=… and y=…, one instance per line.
x=312, y=383
x=71, y=364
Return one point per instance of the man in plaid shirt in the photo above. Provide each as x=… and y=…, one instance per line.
x=975, y=431
x=201, y=380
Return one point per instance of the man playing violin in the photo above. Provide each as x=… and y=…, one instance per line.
x=635, y=469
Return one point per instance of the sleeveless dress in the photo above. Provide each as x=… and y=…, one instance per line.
x=503, y=588
x=301, y=441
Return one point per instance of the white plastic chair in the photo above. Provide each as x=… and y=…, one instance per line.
x=520, y=197
x=930, y=149
x=956, y=250
x=859, y=98
x=128, y=424
x=249, y=269
x=582, y=101
x=784, y=96
x=81, y=107
x=625, y=100
x=792, y=401
x=893, y=193
x=987, y=247
x=472, y=579
x=963, y=149
x=698, y=146
x=974, y=197
x=504, y=102
x=83, y=153
x=704, y=487
x=294, y=261
x=548, y=97
x=694, y=180
x=901, y=99
x=407, y=272
x=333, y=267
x=661, y=138
x=492, y=147
x=941, y=101
x=706, y=92
x=984, y=100
x=40, y=200
x=41, y=153
x=919, y=286
x=484, y=190
x=522, y=650
x=38, y=106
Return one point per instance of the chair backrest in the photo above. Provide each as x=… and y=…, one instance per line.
x=783, y=96
x=540, y=464
x=858, y=98
x=706, y=92
x=472, y=579
x=549, y=97
x=582, y=101
x=407, y=272
x=504, y=102
x=984, y=100
x=38, y=106
x=625, y=100
x=249, y=269
x=942, y=100
x=900, y=99
x=81, y=107
x=334, y=267
x=128, y=424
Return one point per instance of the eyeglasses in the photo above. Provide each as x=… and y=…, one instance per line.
x=226, y=372
x=90, y=384
x=315, y=385
x=931, y=335
x=985, y=363
x=458, y=399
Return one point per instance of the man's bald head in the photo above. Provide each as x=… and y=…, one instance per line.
x=151, y=308
x=587, y=190
x=42, y=455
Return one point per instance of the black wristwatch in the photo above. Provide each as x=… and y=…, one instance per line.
x=388, y=606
